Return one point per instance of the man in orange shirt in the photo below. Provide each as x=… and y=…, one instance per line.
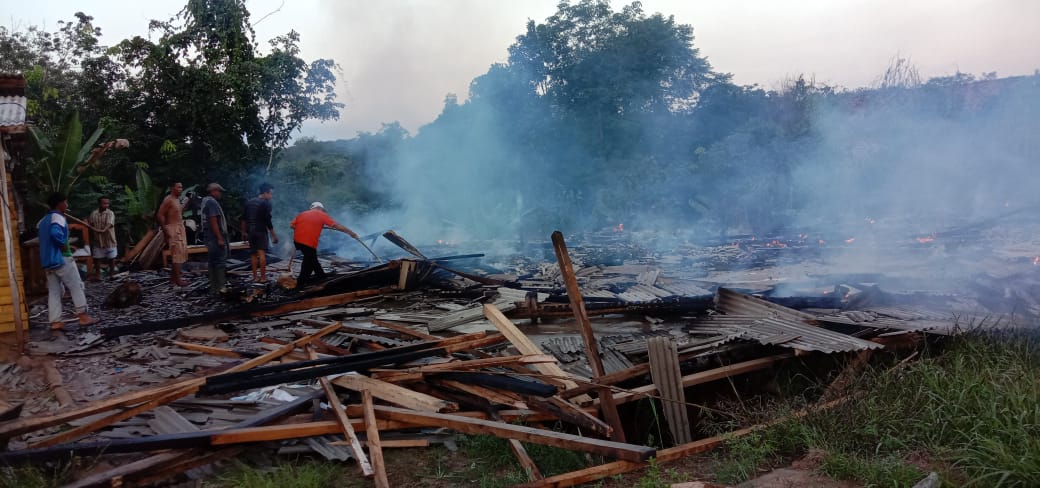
x=307, y=228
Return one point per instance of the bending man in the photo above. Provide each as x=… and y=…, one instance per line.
x=307, y=228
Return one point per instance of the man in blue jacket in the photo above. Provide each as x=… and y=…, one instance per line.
x=59, y=265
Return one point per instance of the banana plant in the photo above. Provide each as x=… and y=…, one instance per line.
x=62, y=161
x=142, y=203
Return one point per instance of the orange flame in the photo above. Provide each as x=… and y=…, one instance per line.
x=926, y=239
x=776, y=243
x=1036, y=261
x=850, y=240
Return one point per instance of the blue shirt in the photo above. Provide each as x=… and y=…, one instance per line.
x=54, y=238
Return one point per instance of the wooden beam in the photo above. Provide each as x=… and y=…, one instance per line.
x=594, y=473
x=394, y=394
x=494, y=396
x=21, y=426
x=77, y=432
x=467, y=425
x=528, y=464
x=322, y=302
x=375, y=448
x=606, y=397
x=344, y=422
x=393, y=375
x=215, y=351
x=404, y=330
x=523, y=344
x=704, y=377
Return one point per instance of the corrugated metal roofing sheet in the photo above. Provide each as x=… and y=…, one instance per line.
x=12, y=111
x=896, y=318
x=734, y=303
x=781, y=332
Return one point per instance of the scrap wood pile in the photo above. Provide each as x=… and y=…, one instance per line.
x=388, y=381
x=429, y=382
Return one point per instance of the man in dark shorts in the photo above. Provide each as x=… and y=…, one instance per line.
x=258, y=224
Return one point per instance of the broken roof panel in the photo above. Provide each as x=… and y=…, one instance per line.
x=13, y=111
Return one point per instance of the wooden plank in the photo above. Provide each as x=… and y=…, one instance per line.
x=322, y=302
x=594, y=473
x=215, y=351
x=21, y=426
x=77, y=432
x=606, y=397
x=184, y=464
x=375, y=448
x=344, y=422
x=392, y=393
x=704, y=377
x=489, y=394
x=526, y=347
x=664, y=369
x=563, y=440
x=404, y=330
x=394, y=375
x=533, y=473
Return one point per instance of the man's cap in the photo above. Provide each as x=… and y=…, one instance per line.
x=317, y=205
x=214, y=186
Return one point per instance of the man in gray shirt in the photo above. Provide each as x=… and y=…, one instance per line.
x=215, y=229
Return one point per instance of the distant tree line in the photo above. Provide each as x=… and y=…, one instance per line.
x=598, y=117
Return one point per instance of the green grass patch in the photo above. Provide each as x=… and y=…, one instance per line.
x=35, y=477
x=493, y=464
x=304, y=474
x=972, y=413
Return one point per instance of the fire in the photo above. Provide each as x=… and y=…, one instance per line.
x=440, y=241
x=926, y=239
x=850, y=240
x=776, y=243
x=1036, y=261
x=822, y=242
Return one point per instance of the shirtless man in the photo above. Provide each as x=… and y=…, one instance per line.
x=170, y=216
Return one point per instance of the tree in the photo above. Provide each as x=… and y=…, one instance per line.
x=204, y=85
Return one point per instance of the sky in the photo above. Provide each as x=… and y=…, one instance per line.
x=399, y=58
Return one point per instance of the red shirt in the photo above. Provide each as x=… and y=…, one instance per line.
x=307, y=226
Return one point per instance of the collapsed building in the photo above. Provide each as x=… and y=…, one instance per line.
x=442, y=339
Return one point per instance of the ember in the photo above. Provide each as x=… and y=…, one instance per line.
x=925, y=239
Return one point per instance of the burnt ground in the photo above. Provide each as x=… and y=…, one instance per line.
x=987, y=274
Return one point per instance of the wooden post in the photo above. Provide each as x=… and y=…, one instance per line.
x=606, y=397
x=375, y=448
x=344, y=422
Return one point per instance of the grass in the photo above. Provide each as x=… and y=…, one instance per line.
x=309, y=474
x=34, y=476
x=493, y=465
x=971, y=413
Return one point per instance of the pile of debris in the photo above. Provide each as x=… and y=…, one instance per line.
x=380, y=364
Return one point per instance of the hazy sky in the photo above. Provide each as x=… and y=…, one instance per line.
x=400, y=57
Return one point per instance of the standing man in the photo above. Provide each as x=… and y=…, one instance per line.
x=215, y=229
x=258, y=225
x=171, y=220
x=58, y=264
x=103, y=237
x=307, y=228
